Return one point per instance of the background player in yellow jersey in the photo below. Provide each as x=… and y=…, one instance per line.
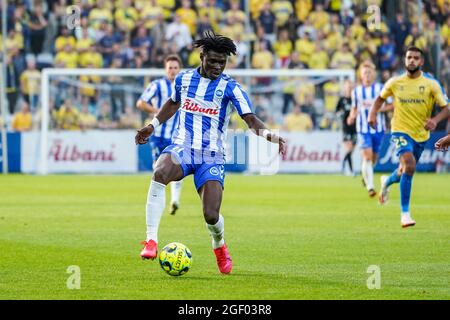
x=415, y=93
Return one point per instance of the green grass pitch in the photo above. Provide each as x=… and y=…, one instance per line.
x=290, y=236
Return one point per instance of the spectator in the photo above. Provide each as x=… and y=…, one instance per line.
x=235, y=12
x=100, y=14
x=83, y=43
x=416, y=39
x=282, y=9
x=332, y=91
x=150, y=15
x=15, y=64
x=262, y=57
x=400, y=30
x=126, y=17
x=22, y=121
x=343, y=59
x=305, y=47
x=68, y=117
x=267, y=21
x=106, y=44
x=297, y=121
x=319, y=59
x=242, y=50
x=67, y=58
x=188, y=16
x=88, y=86
x=303, y=9
x=64, y=38
x=308, y=28
x=37, y=23
x=357, y=30
x=105, y=119
x=178, y=33
x=91, y=57
x=87, y=119
x=30, y=84
x=117, y=91
x=308, y=108
x=445, y=32
x=386, y=54
x=204, y=24
x=214, y=13
x=142, y=41
x=319, y=18
x=283, y=48
x=158, y=36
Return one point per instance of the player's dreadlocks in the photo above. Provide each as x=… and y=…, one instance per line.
x=216, y=42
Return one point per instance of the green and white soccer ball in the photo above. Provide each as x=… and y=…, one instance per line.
x=175, y=259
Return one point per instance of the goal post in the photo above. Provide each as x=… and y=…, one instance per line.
x=245, y=76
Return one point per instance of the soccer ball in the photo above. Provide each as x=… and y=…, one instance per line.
x=175, y=259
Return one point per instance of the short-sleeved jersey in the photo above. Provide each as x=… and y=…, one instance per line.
x=156, y=94
x=413, y=103
x=205, y=109
x=362, y=99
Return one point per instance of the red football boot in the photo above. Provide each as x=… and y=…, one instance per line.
x=150, y=250
x=223, y=259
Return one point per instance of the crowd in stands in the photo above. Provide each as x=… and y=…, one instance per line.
x=292, y=34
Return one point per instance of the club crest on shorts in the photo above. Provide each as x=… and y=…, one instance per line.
x=214, y=171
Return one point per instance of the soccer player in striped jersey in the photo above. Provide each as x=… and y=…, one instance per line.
x=204, y=98
x=363, y=97
x=151, y=100
x=415, y=94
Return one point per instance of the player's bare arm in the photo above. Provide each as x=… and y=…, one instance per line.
x=146, y=107
x=258, y=127
x=443, y=143
x=167, y=111
x=352, y=116
x=431, y=124
x=376, y=107
x=387, y=107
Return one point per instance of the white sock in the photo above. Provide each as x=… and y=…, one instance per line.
x=175, y=191
x=216, y=231
x=367, y=172
x=156, y=201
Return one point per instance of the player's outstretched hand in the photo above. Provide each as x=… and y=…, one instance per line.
x=430, y=124
x=443, y=143
x=281, y=143
x=143, y=134
x=282, y=146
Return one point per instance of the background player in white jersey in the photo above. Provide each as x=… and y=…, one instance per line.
x=207, y=97
x=151, y=100
x=363, y=97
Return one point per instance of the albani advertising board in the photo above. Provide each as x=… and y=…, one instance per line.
x=82, y=152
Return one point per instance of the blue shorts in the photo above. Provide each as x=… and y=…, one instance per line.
x=371, y=141
x=205, y=166
x=157, y=145
x=404, y=143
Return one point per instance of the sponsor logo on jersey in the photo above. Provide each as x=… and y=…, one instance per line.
x=190, y=105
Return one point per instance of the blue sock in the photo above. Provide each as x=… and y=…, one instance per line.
x=393, y=178
x=405, y=191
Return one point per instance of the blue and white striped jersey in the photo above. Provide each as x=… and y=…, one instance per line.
x=205, y=109
x=156, y=94
x=363, y=98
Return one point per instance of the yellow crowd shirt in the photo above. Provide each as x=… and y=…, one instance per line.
x=413, y=103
